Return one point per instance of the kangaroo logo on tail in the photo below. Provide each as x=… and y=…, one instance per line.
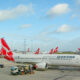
x=5, y=50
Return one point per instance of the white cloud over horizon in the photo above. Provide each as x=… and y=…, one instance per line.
x=58, y=10
x=64, y=28
x=15, y=12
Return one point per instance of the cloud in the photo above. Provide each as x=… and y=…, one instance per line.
x=15, y=12
x=25, y=26
x=74, y=15
x=58, y=10
x=64, y=28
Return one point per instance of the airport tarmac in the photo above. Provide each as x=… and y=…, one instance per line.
x=50, y=74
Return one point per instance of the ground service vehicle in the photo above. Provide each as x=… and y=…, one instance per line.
x=21, y=70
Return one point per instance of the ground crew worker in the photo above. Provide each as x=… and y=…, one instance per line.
x=30, y=68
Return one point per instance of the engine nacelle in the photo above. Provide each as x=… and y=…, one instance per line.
x=41, y=66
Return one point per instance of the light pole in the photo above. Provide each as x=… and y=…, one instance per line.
x=24, y=45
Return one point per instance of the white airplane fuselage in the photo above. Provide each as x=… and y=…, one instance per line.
x=41, y=61
x=53, y=59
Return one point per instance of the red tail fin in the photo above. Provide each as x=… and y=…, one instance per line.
x=5, y=50
x=37, y=52
x=56, y=50
x=4, y=44
x=28, y=50
x=79, y=49
x=51, y=51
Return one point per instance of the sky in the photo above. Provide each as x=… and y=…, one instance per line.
x=40, y=23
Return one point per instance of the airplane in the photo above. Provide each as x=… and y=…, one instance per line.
x=40, y=61
x=51, y=51
x=56, y=50
x=37, y=52
x=79, y=49
x=28, y=50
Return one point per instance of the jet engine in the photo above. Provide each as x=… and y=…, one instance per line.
x=41, y=66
